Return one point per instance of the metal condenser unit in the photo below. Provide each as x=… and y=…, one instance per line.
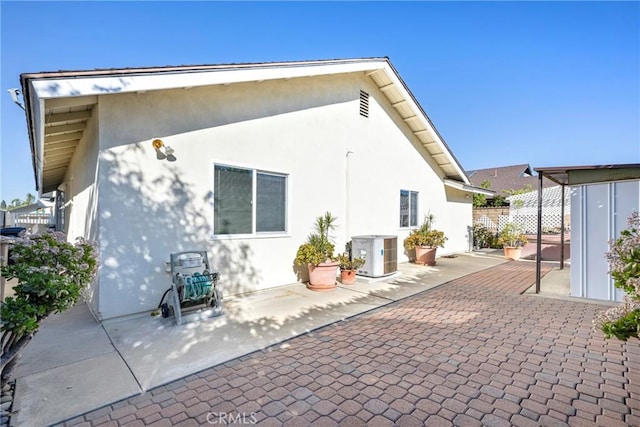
x=380, y=254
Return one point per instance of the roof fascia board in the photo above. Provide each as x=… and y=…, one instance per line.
x=580, y=175
x=470, y=188
x=591, y=176
x=424, y=119
x=101, y=85
x=34, y=111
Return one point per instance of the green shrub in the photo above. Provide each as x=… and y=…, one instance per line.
x=51, y=273
x=623, y=257
x=425, y=236
x=318, y=247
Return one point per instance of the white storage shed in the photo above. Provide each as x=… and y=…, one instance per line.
x=602, y=198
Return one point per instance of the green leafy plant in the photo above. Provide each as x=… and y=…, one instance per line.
x=512, y=236
x=482, y=236
x=426, y=235
x=480, y=200
x=319, y=248
x=51, y=274
x=499, y=201
x=623, y=321
x=348, y=263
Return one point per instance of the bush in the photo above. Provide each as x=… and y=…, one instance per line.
x=318, y=248
x=623, y=321
x=425, y=235
x=51, y=274
x=512, y=236
x=481, y=235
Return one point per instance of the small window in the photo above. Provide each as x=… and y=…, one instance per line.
x=234, y=210
x=408, y=208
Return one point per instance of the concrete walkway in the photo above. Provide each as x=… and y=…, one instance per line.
x=477, y=351
x=74, y=365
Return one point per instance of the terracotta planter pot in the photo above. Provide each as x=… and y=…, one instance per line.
x=322, y=277
x=426, y=255
x=348, y=277
x=513, y=253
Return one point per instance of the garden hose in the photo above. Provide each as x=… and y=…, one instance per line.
x=196, y=287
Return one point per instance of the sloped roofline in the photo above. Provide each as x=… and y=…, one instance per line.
x=526, y=168
x=42, y=87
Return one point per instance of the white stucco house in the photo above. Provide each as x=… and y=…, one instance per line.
x=259, y=151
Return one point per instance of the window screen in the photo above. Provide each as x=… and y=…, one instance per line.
x=233, y=190
x=233, y=211
x=270, y=210
x=408, y=208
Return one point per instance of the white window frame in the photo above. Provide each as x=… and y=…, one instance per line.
x=417, y=197
x=254, y=186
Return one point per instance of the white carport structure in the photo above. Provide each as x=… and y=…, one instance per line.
x=602, y=198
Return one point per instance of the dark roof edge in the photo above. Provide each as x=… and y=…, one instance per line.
x=560, y=174
x=190, y=68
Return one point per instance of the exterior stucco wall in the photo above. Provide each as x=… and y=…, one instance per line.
x=599, y=213
x=81, y=199
x=307, y=128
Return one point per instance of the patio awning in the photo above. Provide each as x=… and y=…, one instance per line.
x=579, y=175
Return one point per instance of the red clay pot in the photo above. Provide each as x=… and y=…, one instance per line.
x=322, y=277
x=426, y=255
x=512, y=253
x=348, y=277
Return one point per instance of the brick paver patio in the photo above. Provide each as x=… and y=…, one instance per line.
x=472, y=352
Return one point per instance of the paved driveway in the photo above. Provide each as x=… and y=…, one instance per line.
x=472, y=352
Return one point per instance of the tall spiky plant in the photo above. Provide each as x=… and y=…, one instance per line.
x=319, y=247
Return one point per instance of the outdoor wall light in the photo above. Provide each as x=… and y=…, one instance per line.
x=158, y=145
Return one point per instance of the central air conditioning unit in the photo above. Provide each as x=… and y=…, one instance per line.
x=380, y=254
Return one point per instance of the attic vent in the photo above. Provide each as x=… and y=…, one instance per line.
x=364, y=103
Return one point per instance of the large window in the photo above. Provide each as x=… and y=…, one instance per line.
x=236, y=189
x=408, y=208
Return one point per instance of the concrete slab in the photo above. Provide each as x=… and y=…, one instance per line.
x=158, y=351
x=555, y=283
x=56, y=394
x=65, y=338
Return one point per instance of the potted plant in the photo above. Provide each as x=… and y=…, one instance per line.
x=317, y=255
x=425, y=240
x=348, y=268
x=512, y=240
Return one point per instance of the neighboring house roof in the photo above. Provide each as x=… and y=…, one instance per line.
x=59, y=104
x=507, y=178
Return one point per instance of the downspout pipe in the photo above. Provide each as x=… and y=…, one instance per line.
x=347, y=195
x=539, y=234
x=562, y=229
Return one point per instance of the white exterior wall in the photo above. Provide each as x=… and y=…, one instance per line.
x=81, y=200
x=308, y=128
x=598, y=213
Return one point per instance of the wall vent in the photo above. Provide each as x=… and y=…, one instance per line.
x=364, y=103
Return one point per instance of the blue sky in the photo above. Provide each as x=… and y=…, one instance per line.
x=544, y=83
